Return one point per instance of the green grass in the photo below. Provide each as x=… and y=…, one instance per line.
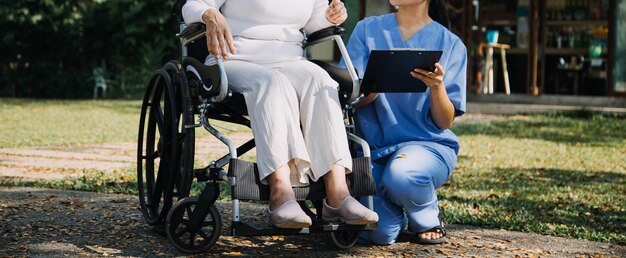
x=51, y=123
x=121, y=181
x=28, y=123
x=558, y=174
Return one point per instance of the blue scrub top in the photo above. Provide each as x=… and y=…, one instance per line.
x=395, y=120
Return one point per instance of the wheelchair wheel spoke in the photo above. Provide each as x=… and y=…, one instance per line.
x=157, y=112
x=202, y=234
x=152, y=156
x=181, y=232
x=192, y=236
x=185, y=222
x=161, y=177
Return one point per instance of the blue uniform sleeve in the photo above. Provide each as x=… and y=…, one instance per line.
x=357, y=50
x=455, y=78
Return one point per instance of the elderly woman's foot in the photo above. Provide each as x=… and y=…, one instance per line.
x=350, y=211
x=289, y=215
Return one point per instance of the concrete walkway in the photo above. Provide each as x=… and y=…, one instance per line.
x=525, y=104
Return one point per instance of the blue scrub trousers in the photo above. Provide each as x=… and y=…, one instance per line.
x=405, y=190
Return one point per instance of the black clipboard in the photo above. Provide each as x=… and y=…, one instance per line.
x=390, y=70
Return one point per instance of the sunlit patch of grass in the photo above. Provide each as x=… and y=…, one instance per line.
x=65, y=123
x=557, y=174
x=122, y=181
x=30, y=122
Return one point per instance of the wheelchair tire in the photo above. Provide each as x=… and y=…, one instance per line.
x=157, y=148
x=192, y=240
x=186, y=131
x=344, y=239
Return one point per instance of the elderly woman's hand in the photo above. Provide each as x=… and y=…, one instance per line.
x=219, y=40
x=336, y=12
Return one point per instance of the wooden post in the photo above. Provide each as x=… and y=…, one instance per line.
x=611, y=50
x=362, y=9
x=473, y=68
x=534, y=49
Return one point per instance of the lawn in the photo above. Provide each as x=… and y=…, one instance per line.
x=27, y=123
x=558, y=174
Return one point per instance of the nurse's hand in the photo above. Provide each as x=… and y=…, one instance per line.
x=441, y=108
x=336, y=12
x=431, y=79
x=219, y=40
x=362, y=101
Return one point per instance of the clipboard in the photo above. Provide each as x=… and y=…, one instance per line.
x=389, y=70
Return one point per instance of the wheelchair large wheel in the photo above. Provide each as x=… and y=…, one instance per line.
x=186, y=133
x=158, y=147
x=344, y=239
x=191, y=239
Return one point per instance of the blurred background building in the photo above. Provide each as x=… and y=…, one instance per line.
x=557, y=47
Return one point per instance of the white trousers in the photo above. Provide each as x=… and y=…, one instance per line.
x=295, y=116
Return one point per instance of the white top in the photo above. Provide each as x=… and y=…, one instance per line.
x=265, y=31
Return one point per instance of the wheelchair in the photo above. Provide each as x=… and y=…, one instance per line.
x=180, y=92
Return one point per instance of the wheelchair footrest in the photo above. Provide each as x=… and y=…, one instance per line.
x=242, y=229
x=248, y=185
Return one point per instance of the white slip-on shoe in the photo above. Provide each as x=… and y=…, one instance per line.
x=350, y=211
x=289, y=215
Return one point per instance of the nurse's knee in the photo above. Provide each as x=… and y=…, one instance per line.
x=403, y=187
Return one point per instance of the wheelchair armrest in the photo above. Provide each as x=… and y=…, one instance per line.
x=212, y=82
x=192, y=32
x=323, y=35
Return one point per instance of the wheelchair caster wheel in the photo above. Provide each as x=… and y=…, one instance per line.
x=190, y=238
x=344, y=239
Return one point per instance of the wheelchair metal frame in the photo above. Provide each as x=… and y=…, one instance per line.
x=174, y=179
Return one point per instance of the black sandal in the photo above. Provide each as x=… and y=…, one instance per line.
x=436, y=241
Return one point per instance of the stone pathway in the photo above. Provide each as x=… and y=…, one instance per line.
x=59, y=162
x=53, y=223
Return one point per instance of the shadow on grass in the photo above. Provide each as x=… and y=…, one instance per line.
x=583, y=204
x=564, y=127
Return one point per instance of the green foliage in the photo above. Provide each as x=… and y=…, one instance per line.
x=50, y=48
